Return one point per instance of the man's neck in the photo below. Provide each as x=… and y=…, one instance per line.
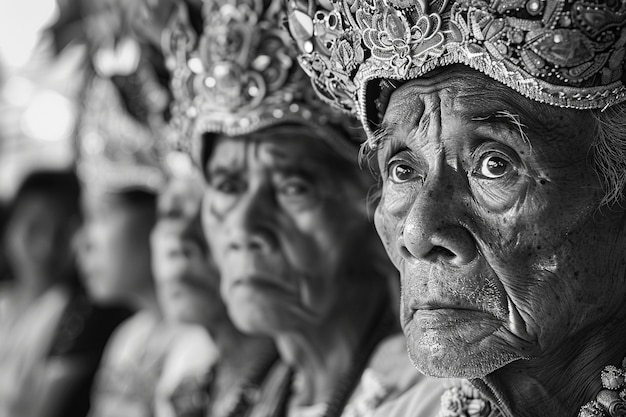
x=240, y=356
x=559, y=384
x=146, y=300
x=323, y=354
x=235, y=348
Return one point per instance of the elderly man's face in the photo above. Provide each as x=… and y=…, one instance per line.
x=496, y=233
x=279, y=217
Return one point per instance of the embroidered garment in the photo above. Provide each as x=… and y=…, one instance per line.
x=58, y=328
x=388, y=375
x=26, y=340
x=133, y=361
x=187, y=373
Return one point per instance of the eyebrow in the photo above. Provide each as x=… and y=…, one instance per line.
x=221, y=170
x=291, y=170
x=283, y=168
x=384, y=143
x=504, y=119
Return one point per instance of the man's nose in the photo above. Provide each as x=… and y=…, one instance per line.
x=192, y=230
x=432, y=228
x=83, y=240
x=252, y=223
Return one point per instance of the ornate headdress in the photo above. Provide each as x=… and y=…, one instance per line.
x=123, y=131
x=567, y=53
x=117, y=152
x=238, y=74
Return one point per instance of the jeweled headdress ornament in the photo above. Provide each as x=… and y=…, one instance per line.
x=123, y=130
x=235, y=72
x=117, y=152
x=567, y=53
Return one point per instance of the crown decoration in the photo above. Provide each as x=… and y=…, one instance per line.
x=567, y=53
x=123, y=132
x=239, y=75
x=117, y=151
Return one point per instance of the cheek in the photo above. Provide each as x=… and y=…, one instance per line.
x=555, y=275
x=388, y=228
x=212, y=226
x=303, y=244
x=311, y=237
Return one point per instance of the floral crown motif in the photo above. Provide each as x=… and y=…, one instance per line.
x=567, y=53
x=238, y=74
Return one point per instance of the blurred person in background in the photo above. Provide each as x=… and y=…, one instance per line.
x=51, y=335
x=3, y=262
x=122, y=124
x=286, y=216
x=119, y=169
x=209, y=368
x=128, y=100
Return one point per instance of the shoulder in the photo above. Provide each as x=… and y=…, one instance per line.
x=85, y=328
x=391, y=366
x=129, y=339
x=391, y=376
x=192, y=355
x=421, y=400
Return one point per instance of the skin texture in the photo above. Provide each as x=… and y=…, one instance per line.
x=490, y=210
x=300, y=262
x=186, y=277
x=273, y=211
x=188, y=287
x=115, y=254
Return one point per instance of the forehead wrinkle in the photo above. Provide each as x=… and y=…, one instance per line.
x=411, y=109
x=234, y=154
x=430, y=126
x=504, y=108
x=281, y=152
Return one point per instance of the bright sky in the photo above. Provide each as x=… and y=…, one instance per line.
x=20, y=23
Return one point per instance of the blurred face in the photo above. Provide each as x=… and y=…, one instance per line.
x=115, y=256
x=501, y=249
x=187, y=280
x=37, y=239
x=280, y=217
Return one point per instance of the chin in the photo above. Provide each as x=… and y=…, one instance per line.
x=457, y=350
x=260, y=322
x=103, y=294
x=256, y=310
x=261, y=319
x=183, y=314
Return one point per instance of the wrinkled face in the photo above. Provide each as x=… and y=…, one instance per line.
x=115, y=251
x=501, y=249
x=187, y=280
x=280, y=215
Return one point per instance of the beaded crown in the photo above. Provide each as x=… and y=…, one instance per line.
x=238, y=74
x=567, y=53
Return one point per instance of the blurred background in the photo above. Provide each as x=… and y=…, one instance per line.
x=40, y=80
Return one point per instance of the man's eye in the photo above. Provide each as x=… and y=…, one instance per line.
x=169, y=213
x=493, y=165
x=228, y=186
x=295, y=188
x=400, y=172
